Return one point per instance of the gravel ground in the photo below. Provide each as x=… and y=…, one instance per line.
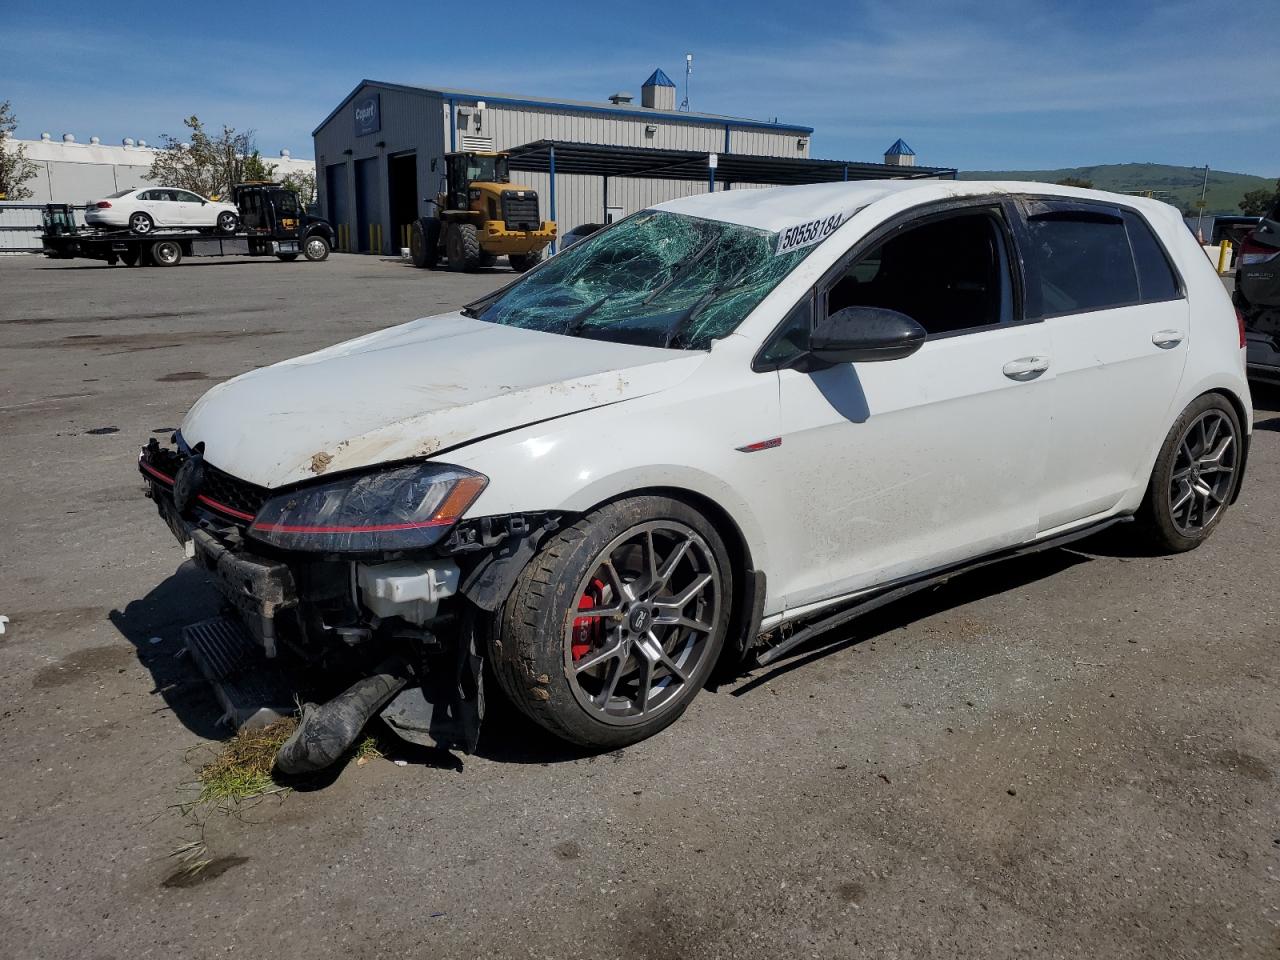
x=1074, y=754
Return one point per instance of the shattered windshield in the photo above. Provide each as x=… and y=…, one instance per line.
x=657, y=279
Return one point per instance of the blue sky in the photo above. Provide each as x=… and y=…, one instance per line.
x=1006, y=85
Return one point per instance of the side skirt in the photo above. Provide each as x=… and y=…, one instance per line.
x=892, y=592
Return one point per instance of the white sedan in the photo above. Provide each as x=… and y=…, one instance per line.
x=720, y=416
x=146, y=210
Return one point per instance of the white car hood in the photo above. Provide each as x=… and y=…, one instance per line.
x=412, y=391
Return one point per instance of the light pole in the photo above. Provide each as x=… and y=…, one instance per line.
x=1204, y=187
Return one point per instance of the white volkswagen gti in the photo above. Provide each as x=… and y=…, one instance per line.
x=720, y=415
x=146, y=210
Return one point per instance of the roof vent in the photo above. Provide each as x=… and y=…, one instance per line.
x=900, y=155
x=285, y=153
x=142, y=143
x=68, y=138
x=95, y=140
x=658, y=92
x=619, y=98
x=46, y=136
x=127, y=142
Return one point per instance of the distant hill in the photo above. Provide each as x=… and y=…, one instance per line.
x=1177, y=185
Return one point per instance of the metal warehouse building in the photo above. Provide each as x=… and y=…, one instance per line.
x=380, y=153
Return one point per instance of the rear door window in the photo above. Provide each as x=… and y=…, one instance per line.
x=1080, y=260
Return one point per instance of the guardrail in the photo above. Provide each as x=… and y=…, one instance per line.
x=22, y=225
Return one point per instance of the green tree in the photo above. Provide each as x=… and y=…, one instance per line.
x=15, y=168
x=1259, y=203
x=208, y=164
x=1075, y=182
x=304, y=183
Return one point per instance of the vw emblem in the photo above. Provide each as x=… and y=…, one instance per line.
x=186, y=484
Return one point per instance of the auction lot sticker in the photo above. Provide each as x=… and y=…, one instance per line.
x=808, y=233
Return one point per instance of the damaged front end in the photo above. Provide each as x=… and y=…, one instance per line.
x=369, y=576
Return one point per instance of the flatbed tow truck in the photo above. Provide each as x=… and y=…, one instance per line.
x=273, y=222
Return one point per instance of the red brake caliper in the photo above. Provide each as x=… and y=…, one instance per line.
x=588, y=632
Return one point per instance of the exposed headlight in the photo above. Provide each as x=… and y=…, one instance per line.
x=404, y=508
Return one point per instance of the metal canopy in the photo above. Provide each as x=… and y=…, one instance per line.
x=649, y=163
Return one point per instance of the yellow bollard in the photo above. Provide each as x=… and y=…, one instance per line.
x=1224, y=255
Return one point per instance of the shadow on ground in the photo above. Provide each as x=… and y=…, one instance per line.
x=181, y=599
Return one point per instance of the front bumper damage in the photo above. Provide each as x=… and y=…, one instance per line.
x=406, y=628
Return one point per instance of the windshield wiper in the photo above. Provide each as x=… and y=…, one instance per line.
x=679, y=272
x=689, y=315
x=579, y=320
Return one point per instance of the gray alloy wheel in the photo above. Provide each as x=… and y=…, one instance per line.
x=1203, y=472
x=227, y=222
x=648, y=607
x=141, y=223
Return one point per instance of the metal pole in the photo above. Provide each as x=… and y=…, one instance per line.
x=1204, y=187
x=453, y=125
x=711, y=179
x=846, y=172
x=553, y=196
x=605, y=218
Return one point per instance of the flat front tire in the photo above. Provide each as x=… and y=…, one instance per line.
x=616, y=624
x=1195, y=476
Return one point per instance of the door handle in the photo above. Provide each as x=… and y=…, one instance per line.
x=1167, y=339
x=1026, y=368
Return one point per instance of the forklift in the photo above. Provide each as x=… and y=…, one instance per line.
x=480, y=216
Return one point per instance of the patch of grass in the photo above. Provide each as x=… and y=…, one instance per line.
x=242, y=770
x=366, y=750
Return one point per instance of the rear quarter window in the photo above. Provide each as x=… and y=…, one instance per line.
x=1156, y=279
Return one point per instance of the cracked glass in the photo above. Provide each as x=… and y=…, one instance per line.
x=656, y=279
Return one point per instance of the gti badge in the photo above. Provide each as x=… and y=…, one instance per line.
x=187, y=481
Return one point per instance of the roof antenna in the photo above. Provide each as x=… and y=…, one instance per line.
x=688, y=70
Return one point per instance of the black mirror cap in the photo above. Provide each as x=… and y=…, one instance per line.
x=864, y=335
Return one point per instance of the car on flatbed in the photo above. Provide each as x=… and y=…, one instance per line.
x=718, y=417
x=146, y=210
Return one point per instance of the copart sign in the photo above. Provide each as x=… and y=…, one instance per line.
x=368, y=115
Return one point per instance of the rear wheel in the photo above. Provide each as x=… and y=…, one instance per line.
x=141, y=223
x=1195, y=475
x=315, y=248
x=520, y=262
x=287, y=257
x=462, y=244
x=614, y=627
x=129, y=257
x=166, y=253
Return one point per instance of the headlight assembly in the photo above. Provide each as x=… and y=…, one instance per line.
x=403, y=508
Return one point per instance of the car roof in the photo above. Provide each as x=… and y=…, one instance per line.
x=776, y=208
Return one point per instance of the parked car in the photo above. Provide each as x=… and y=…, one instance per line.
x=727, y=413
x=1257, y=296
x=146, y=210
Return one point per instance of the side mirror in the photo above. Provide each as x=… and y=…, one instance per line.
x=865, y=334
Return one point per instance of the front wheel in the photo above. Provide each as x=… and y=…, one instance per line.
x=1195, y=475
x=616, y=624
x=315, y=248
x=227, y=222
x=166, y=253
x=462, y=244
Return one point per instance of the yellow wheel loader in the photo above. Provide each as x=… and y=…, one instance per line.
x=480, y=216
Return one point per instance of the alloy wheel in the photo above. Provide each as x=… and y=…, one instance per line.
x=1203, y=471
x=646, y=612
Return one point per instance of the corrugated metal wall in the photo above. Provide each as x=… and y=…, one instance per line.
x=419, y=120
x=22, y=224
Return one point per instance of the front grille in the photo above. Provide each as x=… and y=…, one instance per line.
x=232, y=492
x=520, y=212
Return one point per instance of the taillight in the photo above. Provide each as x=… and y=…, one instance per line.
x=104, y=204
x=1253, y=252
x=1240, y=324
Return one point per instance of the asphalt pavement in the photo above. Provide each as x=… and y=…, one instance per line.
x=1073, y=754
